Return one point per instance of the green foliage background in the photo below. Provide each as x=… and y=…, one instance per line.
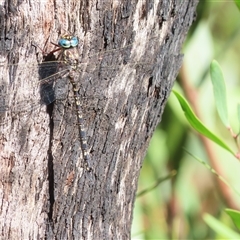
x=177, y=207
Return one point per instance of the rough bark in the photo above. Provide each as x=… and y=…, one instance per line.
x=45, y=192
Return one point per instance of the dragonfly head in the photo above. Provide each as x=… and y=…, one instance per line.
x=68, y=41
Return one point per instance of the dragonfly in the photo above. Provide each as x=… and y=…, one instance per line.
x=49, y=72
x=70, y=56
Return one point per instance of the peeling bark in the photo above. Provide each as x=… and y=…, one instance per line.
x=130, y=57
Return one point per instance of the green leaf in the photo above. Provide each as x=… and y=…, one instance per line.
x=197, y=124
x=219, y=90
x=224, y=231
x=237, y=2
x=235, y=216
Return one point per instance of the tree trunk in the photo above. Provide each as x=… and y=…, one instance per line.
x=130, y=56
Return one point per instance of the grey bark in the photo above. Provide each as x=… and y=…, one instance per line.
x=44, y=190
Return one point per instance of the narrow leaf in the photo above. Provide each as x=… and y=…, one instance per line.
x=219, y=90
x=197, y=124
x=220, y=228
x=235, y=216
x=237, y=2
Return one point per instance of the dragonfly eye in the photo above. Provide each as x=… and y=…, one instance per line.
x=64, y=43
x=74, y=41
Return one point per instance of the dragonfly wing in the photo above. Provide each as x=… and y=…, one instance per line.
x=16, y=91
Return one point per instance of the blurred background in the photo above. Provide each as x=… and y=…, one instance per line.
x=183, y=189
